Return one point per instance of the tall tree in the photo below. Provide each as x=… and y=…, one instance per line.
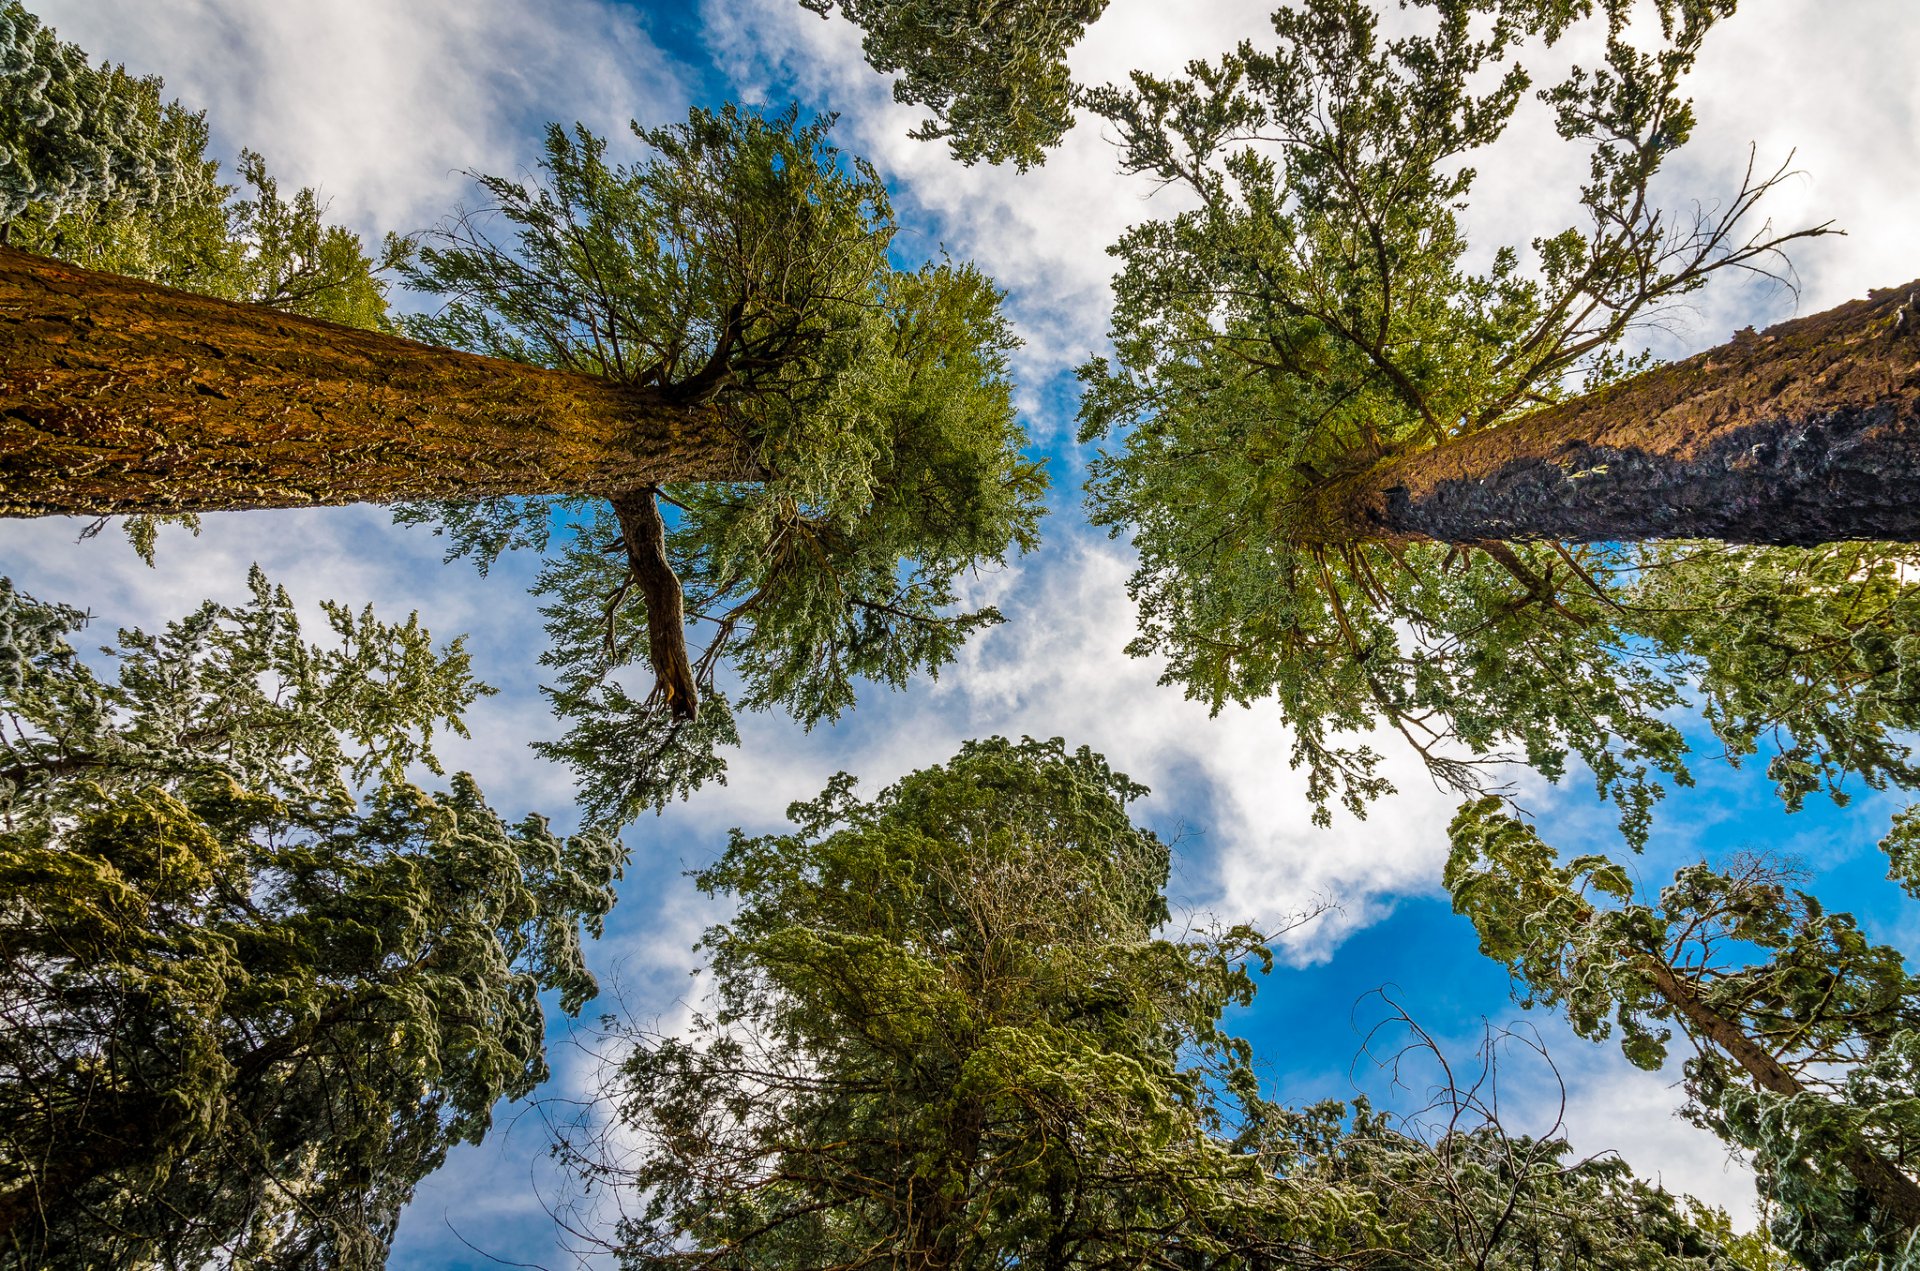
x=1806, y=1037
x=254, y=983
x=945, y=1034
x=836, y=434
x=948, y=1029
x=1317, y=392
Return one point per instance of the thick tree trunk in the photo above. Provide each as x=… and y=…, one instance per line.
x=1806, y=433
x=122, y=396
x=1892, y=1190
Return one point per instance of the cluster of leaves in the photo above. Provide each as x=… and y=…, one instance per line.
x=993, y=72
x=254, y=984
x=1474, y=1195
x=945, y=1033
x=73, y=134
x=743, y=263
x=1315, y=315
x=1806, y=1035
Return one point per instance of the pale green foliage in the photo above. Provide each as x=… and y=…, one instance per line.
x=744, y=263
x=1317, y=313
x=945, y=1033
x=993, y=72
x=71, y=133
x=1802, y=985
x=254, y=983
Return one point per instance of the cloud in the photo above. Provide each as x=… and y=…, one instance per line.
x=381, y=106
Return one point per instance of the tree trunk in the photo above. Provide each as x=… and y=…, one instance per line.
x=1806, y=433
x=1892, y=1190
x=121, y=396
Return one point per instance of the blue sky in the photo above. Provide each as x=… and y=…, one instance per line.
x=382, y=105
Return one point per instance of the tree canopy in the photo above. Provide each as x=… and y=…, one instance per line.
x=1806, y=1052
x=944, y=1033
x=254, y=982
x=949, y=1027
x=744, y=263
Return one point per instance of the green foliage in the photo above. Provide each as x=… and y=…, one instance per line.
x=1472, y=1195
x=99, y=169
x=1806, y=1035
x=945, y=1033
x=1318, y=312
x=743, y=263
x=256, y=984
x=993, y=72
x=71, y=133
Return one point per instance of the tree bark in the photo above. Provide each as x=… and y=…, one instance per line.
x=1892, y=1190
x=644, y=534
x=120, y=396
x=1806, y=433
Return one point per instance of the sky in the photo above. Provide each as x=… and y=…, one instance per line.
x=383, y=106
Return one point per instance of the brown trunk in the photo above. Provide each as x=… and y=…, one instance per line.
x=1891, y=1189
x=121, y=396
x=1806, y=433
x=644, y=535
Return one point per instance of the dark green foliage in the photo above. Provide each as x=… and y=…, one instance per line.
x=945, y=1034
x=993, y=72
x=254, y=983
x=1317, y=312
x=1806, y=1036
x=743, y=263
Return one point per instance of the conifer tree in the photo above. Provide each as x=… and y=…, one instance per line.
x=1805, y=1036
x=254, y=983
x=704, y=366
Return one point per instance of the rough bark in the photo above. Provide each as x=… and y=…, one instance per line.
x=1806, y=433
x=121, y=396
x=1892, y=1190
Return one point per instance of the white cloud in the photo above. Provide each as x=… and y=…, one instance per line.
x=382, y=105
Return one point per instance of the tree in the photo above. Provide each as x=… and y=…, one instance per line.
x=1386, y=489
x=724, y=312
x=1317, y=393
x=72, y=134
x=1806, y=1037
x=254, y=982
x=993, y=72
x=945, y=1034
x=948, y=1029
x=745, y=265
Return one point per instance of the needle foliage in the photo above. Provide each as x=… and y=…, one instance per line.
x=743, y=262
x=254, y=983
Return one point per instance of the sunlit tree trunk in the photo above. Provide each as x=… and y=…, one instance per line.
x=120, y=396
x=1806, y=433
x=1892, y=1190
